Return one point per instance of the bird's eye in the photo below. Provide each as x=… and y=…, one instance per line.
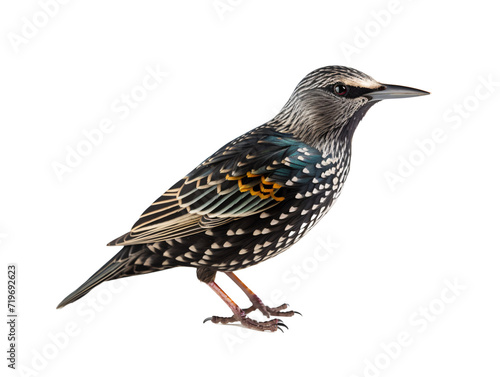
x=340, y=89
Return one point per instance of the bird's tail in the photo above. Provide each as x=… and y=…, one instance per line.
x=117, y=267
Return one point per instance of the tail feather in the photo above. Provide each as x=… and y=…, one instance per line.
x=113, y=269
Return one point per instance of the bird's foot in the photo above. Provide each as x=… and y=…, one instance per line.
x=272, y=325
x=241, y=315
x=267, y=311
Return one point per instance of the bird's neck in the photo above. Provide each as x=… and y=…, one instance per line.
x=322, y=130
x=329, y=140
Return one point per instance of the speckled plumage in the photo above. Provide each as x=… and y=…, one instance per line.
x=257, y=195
x=254, y=224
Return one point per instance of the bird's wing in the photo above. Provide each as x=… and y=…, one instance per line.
x=248, y=175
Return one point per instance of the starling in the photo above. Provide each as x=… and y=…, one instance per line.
x=257, y=195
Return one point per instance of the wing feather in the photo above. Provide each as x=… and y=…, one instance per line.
x=247, y=176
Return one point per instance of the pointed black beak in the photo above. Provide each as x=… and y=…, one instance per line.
x=394, y=91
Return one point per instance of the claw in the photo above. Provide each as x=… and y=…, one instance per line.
x=281, y=323
x=296, y=312
x=207, y=319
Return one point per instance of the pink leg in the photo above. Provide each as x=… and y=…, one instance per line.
x=257, y=302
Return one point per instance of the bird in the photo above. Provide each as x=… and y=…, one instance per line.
x=256, y=196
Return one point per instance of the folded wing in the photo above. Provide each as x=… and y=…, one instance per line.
x=258, y=170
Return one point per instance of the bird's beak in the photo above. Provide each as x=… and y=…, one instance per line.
x=394, y=91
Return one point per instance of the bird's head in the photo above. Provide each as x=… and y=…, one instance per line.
x=329, y=102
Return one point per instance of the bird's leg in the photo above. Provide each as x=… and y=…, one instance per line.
x=257, y=302
x=239, y=315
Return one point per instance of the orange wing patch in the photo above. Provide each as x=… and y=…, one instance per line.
x=258, y=185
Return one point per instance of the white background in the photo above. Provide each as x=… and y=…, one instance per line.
x=384, y=254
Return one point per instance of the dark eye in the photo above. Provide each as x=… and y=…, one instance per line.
x=340, y=89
